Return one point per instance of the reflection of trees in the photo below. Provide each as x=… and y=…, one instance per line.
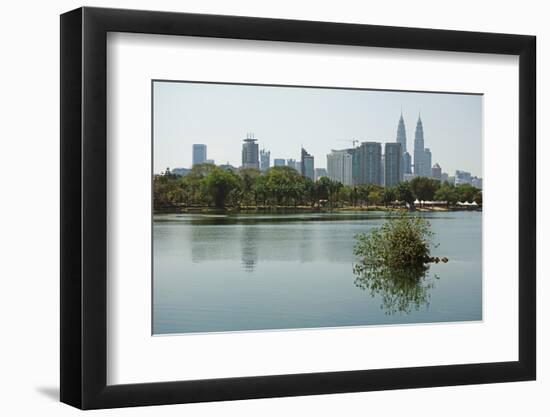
x=401, y=290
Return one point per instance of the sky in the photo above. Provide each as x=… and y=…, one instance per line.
x=283, y=119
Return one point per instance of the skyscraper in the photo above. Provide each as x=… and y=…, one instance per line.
x=407, y=163
x=382, y=170
x=369, y=163
x=436, y=172
x=392, y=164
x=477, y=182
x=278, y=162
x=292, y=163
x=264, y=160
x=250, y=154
x=320, y=172
x=308, y=165
x=419, y=160
x=339, y=166
x=401, y=134
x=462, y=177
x=428, y=162
x=199, y=153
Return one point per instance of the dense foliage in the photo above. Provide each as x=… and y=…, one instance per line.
x=401, y=242
x=393, y=262
x=208, y=185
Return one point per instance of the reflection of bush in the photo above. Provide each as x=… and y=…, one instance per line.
x=402, y=290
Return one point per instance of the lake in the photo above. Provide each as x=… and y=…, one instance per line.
x=234, y=272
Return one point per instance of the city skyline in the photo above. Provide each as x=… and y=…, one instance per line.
x=182, y=113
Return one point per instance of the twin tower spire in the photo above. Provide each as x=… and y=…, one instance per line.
x=421, y=164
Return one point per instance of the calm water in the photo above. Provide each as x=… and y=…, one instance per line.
x=252, y=272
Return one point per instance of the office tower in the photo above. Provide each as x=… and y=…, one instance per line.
x=419, y=155
x=307, y=166
x=210, y=161
x=401, y=134
x=355, y=165
x=340, y=166
x=444, y=177
x=476, y=182
x=369, y=163
x=427, y=162
x=278, y=162
x=436, y=172
x=320, y=172
x=407, y=163
x=250, y=154
x=264, y=160
x=292, y=163
x=462, y=177
x=402, y=139
x=392, y=164
x=382, y=171
x=199, y=153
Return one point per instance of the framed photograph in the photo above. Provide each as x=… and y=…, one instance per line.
x=257, y=208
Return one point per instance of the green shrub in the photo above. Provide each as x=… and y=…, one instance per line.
x=403, y=241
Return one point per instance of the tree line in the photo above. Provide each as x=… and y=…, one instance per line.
x=208, y=185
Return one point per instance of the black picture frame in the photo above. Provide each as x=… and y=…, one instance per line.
x=84, y=207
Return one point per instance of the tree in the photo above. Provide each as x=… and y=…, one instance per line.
x=354, y=196
x=375, y=197
x=389, y=195
x=478, y=198
x=346, y=195
x=448, y=193
x=363, y=193
x=323, y=185
x=218, y=184
x=284, y=185
x=261, y=190
x=334, y=190
x=424, y=188
x=403, y=192
x=248, y=179
x=466, y=192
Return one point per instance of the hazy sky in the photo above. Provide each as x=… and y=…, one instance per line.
x=284, y=118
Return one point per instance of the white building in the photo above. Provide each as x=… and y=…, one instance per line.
x=339, y=166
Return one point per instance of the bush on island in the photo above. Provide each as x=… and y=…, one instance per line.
x=403, y=241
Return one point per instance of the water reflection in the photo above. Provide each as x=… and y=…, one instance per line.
x=257, y=272
x=249, y=248
x=401, y=290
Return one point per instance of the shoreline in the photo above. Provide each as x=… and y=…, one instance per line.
x=304, y=209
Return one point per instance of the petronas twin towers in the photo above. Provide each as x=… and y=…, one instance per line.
x=422, y=156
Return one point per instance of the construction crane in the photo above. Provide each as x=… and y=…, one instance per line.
x=353, y=141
